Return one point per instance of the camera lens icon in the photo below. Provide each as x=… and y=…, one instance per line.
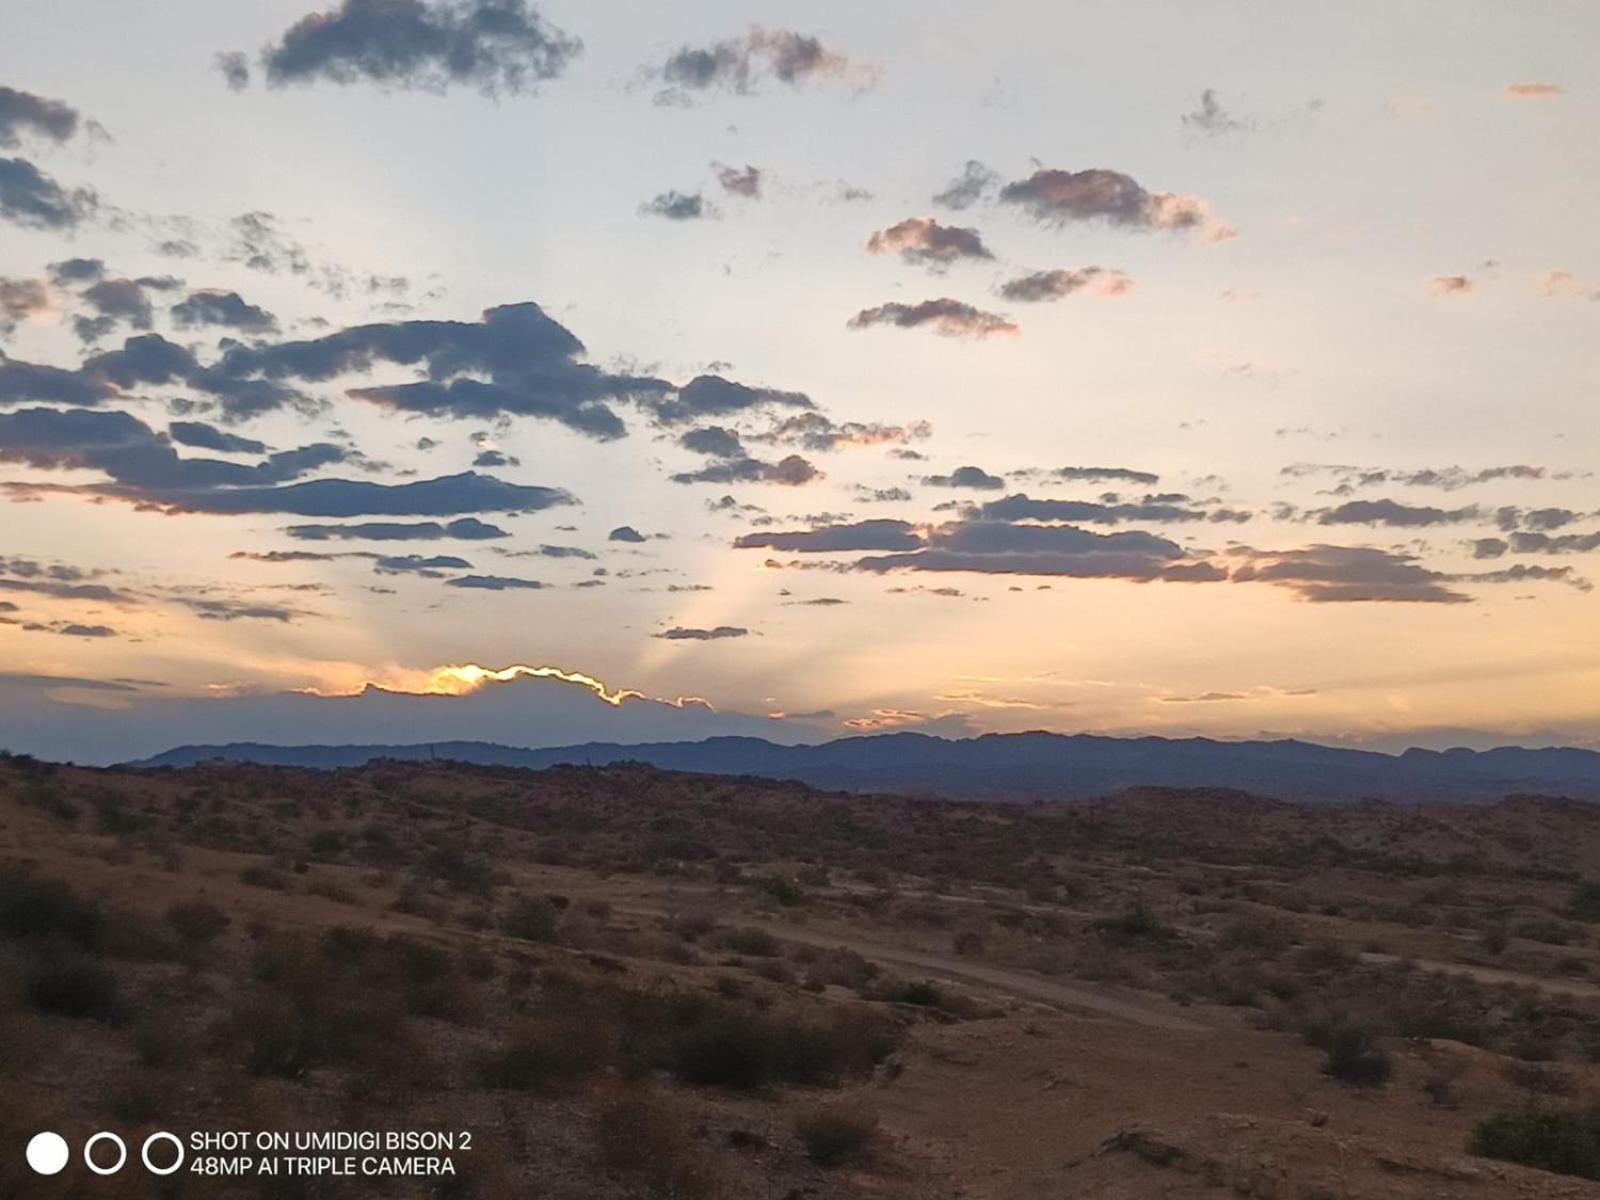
x=155, y=1139
x=48, y=1153
x=88, y=1153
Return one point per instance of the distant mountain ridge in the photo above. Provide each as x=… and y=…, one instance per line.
x=1032, y=766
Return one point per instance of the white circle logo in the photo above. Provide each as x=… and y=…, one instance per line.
x=48, y=1153
x=162, y=1136
x=88, y=1153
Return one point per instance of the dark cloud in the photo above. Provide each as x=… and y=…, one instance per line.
x=680, y=634
x=740, y=64
x=740, y=181
x=209, y=437
x=449, y=495
x=114, y=302
x=791, y=471
x=626, y=533
x=135, y=457
x=1104, y=475
x=33, y=200
x=1544, y=543
x=966, y=477
x=1025, y=508
x=23, y=112
x=466, y=529
x=1524, y=573
x=1391, y=512
x=430, y=566
x=1097, y=194
x=677, y=206
x=1053, y=285
x=234, y=67
x=924, y=241
x=237, y=610
x=496, y=46
x=993, y=547
x=952, y=318
x=494, y=458
x=713, y=440
x=226, y=309
x=863, y=535
x=816, y=432
x=71, y=271
x=1447, y=479
x=1342, y=574
x=495, y=583
x=94, y=593
x=969, y=187
x=19, y=300
x=714, y=396
x=1211, y=119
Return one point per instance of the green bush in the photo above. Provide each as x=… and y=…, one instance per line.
x=1566, y=1141
x=1352, y=1055
x=44, y=908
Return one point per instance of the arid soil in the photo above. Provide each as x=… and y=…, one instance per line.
x=629, y=983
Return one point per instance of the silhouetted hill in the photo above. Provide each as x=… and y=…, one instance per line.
x=1019, y=766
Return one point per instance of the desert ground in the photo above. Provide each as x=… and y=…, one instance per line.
x=629, y=983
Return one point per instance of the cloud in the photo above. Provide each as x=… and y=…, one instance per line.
x=1447, y=479
x=626, y=533
x=924, y=241
x=466, y=529
x=234, y=66
x=966, y=477
x=677, y=206
x=208, y=437
x=1021, y=507
x=680, y=634
x=1544, y=543
x=495, y=583
x=1212, y=120
x=791, y=471
x=234, y=610
x=497, y=46
x=514, y=361
x=23, y=112
x=1325, y=574
x=76, y=270
x=1391, y=512
x=21, y=299
x=1451, y=285
x=1104, y=475
x=816, y=432
x=951, y=318
x=135, y=456
x=862, y=535
x=1053, y=285
x=451, y=495
x=93, y=593
x=429, y=566
x=740, y=64
x=227, y=309
x=33, y=200
x=713, y=440
x=1531, y=91
x=738, y=181
x=967, y=188
x=1000, y=548
x=1058, y=197
x=120, y=301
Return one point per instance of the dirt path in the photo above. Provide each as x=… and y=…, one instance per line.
x=1081, y=997
x=1491, y=975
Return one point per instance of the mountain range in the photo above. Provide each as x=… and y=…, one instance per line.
x=1016, y=766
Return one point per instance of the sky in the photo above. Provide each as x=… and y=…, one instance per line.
x=397, y=370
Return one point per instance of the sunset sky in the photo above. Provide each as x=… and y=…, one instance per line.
x=801, y=370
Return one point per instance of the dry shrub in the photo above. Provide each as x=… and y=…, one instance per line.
x=638, y=1132
x=836, y=1133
